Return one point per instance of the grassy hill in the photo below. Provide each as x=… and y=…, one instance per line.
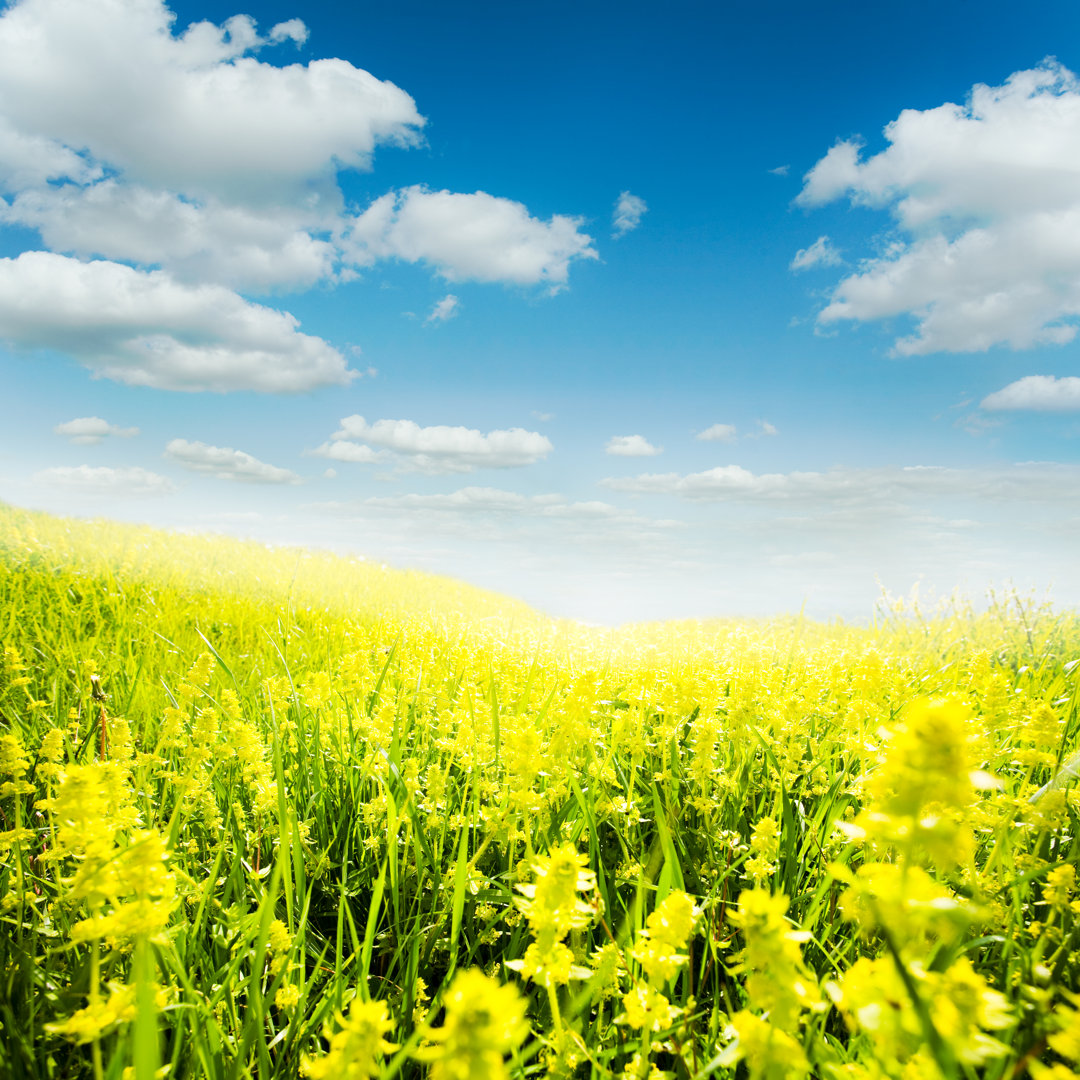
x=268, y=812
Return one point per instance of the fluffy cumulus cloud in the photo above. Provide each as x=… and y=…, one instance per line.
x=111, y=82
x=436, y=449
x=822, y=252
x=631, y=446
x=103, y=481
x=226, y=463
x=89, y=430
x=629, y=210
x=146, y=329
x=477, y=237
x=1036, y=393
x=127, y=137
x=986, y=201
x=725, y=433
x=861, y=487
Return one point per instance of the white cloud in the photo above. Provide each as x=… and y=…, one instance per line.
x=765, y=429
x=631, y=446
x=86, y=479
x=629, y=210
x=345, y=450
x=89, y=430
x=718, y=433
x=292, y=30
x=780, y=170
x=442, y=449
x=226, y=463
x=258, y=248
x=146, y=329
x=27, y=160
x=110, y=81
x=476, y=237
x=486, y=500
x=988, y=206
x=1036, y=393
x=822, y=252
x=1031, y=482
x=446, y=308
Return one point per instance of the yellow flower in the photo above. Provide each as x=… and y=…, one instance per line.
x=553, y=909
x=1060, y=883
x=99, y=1017
x=647, y=1009
x=484, y=1021
x=770, y=1054
x=673, y=920
x=13, y=760
x=279, y=942
x=777, y=981
x=355, y=1049
x=552, y=900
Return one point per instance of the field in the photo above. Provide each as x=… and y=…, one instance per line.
x=268, y=813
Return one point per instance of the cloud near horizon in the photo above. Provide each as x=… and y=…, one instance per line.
x=103, y=481
x=435, y=449
x=1024, y=483
x=91, y=430
x=226, y=463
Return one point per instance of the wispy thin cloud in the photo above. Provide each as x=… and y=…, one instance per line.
x=444, y=310
x=629, y=210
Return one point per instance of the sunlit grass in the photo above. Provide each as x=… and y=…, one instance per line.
x=267, y=812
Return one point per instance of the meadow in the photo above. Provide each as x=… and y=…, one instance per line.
x=271, y=813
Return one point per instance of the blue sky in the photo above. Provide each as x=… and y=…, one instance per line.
x=354, y=276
